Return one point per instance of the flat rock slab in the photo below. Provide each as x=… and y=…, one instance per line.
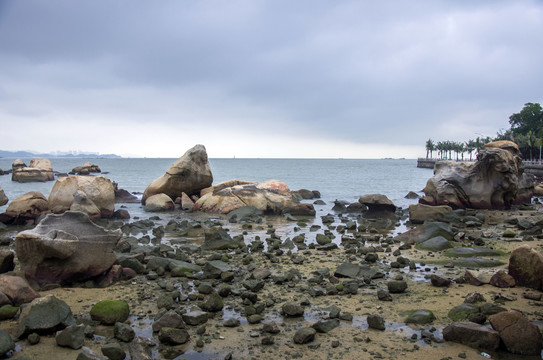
x=474, y=262
x=473, y=335
x=471, y=252
x=438, y=243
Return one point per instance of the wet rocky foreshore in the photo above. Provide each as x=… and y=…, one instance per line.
x=335, y=286
x=247, y=270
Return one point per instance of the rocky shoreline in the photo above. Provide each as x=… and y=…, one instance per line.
x=366, y=280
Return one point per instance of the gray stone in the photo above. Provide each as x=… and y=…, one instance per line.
x=324, y=326
x=376, y=322
x=87, y=354
x=214, y=268
x=44, y=315
x=292, y=309
x=6, y=343
x=169, y=319
x=213, y=303
x=195, y=318
x=123, y=332
x=173, y=336
x=73, y=336
x=140, y=349
x=113, y=351
x=304, y=335
x=397, y=286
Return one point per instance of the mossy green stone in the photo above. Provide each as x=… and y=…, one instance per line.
x=181, y=271
x=463, y=312
x=8, y=312
x=420, y=317
x=110, y=311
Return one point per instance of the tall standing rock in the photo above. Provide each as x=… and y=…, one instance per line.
x=495, y=181
x=3, y=198
x=189, y=174
x=66, y=248
x=99, y=192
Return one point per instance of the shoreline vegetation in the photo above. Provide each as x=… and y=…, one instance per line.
x=526, y=131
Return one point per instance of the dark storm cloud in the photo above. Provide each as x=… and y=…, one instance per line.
x=391, y=72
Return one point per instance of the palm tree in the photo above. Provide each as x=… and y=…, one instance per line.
x=430, y=147
x=470, y=147
x=460, y=149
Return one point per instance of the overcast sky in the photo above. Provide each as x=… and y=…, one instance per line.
x=336, y=78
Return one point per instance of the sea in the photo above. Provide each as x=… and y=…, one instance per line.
x=335, y=179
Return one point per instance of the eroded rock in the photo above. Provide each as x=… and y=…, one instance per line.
x=66, y=248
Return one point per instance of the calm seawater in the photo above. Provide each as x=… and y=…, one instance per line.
x=342, y=179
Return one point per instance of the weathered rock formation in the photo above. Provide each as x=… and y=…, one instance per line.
x=86, y=169
x=66, y=248
x=26, y=208
x=38, y=170
x=495, y=181
x=83, y=193
x=271, y=197
x=3, y=198
x=189, y=174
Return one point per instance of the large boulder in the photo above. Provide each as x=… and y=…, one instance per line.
x=190, y=174
x=39, y=170
x=494, y=181
x=44, y=315
x=27, y=207
x=98, y=191
x=66, y=248
x=3, y=198
x=526, y=267
x=271, y=197
x=518, y=334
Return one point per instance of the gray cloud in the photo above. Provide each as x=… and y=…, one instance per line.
x=391, y=72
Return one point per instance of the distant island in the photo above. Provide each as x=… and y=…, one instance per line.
x=29, y=154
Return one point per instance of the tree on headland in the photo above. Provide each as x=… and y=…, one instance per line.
x=530, y=118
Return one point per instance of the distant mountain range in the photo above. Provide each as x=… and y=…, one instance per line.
x=29, y=154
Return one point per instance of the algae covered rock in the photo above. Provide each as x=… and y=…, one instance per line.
x=109, y=312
